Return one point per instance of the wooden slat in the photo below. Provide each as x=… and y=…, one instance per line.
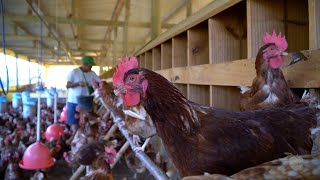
x=148, y=60
x=227, y=35
x=179, y=49
x=210, y=10
x=296, y=24
x=314, y=24
x=156, y=58
x=166, y=55
x=225, y=97
x=314, y=34
x=262, y=17
x=142, y=61
x=241, y=72
x=199, y=94
x=198, y=45
x=182, y=88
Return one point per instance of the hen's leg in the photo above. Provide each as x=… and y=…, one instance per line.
x=136, y=139
x=142, y=148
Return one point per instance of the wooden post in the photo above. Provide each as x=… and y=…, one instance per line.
x=189, y=8
x=155, y=19
x=148, y=60
x=314, y=24
x=179, y=49
x=125, y=28
x=314, y=33
x=156, y=58
x=166, y=55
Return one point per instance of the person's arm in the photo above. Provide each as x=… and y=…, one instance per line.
x=70, y=80
x=96, y=78
x=72, y=84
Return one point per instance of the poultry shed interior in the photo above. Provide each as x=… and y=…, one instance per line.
x=159, y=89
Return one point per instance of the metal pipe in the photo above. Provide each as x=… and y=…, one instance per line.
x=38, y=116
x=117, y=118
x=55, y=107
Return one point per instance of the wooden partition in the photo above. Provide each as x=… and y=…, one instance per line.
x=199, y=94
x=198, y=45
x=156, y=58
x=142, y=60
x=227, y=42
x=183, y=88
x=212, y=52
x=179, y=49
x=166, y=55
x=148, y=60
x=288, y=17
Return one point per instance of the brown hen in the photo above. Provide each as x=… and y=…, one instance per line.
x=206, y=139
x=269, y=87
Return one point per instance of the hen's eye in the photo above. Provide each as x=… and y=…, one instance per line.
x=131, y=78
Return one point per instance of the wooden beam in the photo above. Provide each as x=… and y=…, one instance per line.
x=79, y=22
x=28, y=48
x=314, y=24
x=155, y=19
x=177, y=7
x=29, y=33
x=241, y=72
x=189, y=9
x=65, y=4
x=208, y=11
x=114, y=18
x=47, y=38
x=171, y=13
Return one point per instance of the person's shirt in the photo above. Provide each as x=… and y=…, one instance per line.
x=76, y=76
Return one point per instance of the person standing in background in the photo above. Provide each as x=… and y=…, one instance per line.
x=79, y=83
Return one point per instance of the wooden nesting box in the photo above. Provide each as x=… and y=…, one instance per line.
x=212, y=52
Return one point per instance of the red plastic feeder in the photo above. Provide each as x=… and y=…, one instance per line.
x=54, y=131
x=36, y=156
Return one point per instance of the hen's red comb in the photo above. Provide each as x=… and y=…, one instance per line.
x=281, y=42
x=123, y=66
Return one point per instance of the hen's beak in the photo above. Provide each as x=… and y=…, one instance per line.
x=284, y=53
x=120, y=90
x=296, y=57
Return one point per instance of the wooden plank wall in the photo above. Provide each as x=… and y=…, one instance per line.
x=156, y=58
x=314, y=33
x=209, y=60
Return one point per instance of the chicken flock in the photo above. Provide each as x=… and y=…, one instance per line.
x=273, y=136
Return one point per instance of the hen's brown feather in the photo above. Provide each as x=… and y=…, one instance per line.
x=205, y=139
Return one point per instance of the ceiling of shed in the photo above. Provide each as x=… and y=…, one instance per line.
x=105, y=29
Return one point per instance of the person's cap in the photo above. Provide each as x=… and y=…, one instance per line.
x=88, y=60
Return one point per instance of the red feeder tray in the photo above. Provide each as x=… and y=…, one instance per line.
x=36, y=156
x=54, y=131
